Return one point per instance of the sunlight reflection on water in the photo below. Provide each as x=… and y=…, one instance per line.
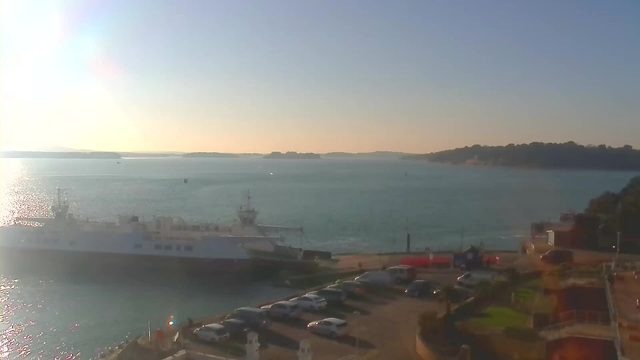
x=20, y=193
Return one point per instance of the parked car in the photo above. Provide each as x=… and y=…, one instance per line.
x=330, y=326
x=212, y=332
x=310, y=302
x=376, y=278
x=283, y=310
x=557, y=256
x=402, y=273
x=459, y=294
x=490, y=260
x=236, y=327
x=253, y=317
x=352, y=288
x=472, y=278
x=420, y=288
x=332, y=296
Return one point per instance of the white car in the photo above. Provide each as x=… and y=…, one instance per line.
x=283, y=310
x=310, y=302
x=330, y=326
x=472, y=278
x=212, y=332
x=377, y=278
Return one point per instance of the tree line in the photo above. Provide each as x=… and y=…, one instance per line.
x=543, y=155
x=619, y=211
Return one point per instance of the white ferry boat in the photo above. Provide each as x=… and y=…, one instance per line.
x=163, y=243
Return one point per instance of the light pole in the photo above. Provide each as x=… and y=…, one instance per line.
x=357, y=340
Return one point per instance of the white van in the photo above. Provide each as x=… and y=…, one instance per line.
x=472, y=278
x=376, y=278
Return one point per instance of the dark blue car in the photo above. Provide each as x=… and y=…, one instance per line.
x=420, y=288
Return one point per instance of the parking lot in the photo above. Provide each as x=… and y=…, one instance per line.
x=382, y=324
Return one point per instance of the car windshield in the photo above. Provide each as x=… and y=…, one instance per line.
x=166, y=165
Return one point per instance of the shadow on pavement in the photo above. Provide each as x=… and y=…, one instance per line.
x=330, y=312
x=370, y=300
x=353, y=341
x=384, y=294
x=270, y=337
x=350, y=309
x=229, y=348
x=299, y=323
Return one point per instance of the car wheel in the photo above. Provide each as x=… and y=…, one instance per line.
x=334, y=335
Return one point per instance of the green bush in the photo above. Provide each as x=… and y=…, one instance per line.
x=429, y=324
x=523, y=334
x=512, y=275
x=468, y=307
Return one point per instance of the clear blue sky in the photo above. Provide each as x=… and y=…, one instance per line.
x=263, y=76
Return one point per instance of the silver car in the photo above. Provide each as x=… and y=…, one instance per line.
x=212, y=332
x=332, y=327
x=283, y=310
x=310, y=302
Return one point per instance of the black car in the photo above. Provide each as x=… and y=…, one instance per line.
x=253, y=317
x=420, y=288
x=236, y=327
x=557, y=256
x=333, y=296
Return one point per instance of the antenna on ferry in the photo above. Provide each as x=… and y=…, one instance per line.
x=248, y=200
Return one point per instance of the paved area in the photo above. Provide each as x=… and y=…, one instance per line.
x=382, y=326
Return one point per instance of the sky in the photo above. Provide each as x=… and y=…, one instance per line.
x=317, y=76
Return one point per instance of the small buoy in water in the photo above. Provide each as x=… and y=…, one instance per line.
x=186, y=181
x=270, y=173
x=405, y=174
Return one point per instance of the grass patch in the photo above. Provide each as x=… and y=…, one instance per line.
x=500, y=317
x=533, y=284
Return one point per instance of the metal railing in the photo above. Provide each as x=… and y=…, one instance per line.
x=613, y=313
x=585, y=316
x=574, y=317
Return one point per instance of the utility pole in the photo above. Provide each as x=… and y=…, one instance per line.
x=618, y=247
x=408, y=237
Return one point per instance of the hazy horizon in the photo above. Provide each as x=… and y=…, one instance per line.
x=358, y=76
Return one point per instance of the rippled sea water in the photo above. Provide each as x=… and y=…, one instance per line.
x=343, y=205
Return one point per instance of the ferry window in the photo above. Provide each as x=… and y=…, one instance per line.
x=137, y=246
x=157, y=247
x=188, y=248
x=72, y=242
x=168, y=247
x=178, y=247
x=196, y=227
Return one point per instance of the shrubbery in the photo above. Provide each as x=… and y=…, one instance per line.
x=523, y=334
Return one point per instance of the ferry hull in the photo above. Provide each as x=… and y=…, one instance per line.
x=19, y=260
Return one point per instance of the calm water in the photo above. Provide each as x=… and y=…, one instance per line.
x=343, y=205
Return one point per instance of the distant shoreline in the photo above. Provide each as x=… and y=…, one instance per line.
x=292, y=155
x=567, y=156
x=59, y=155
